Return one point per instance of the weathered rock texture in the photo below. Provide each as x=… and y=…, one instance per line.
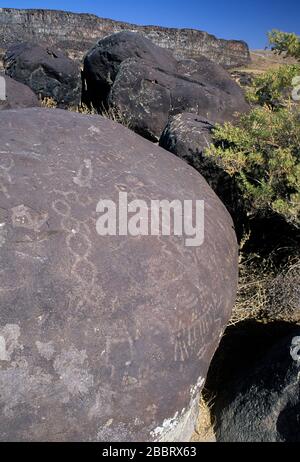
x=103, y=61
x=102, y=338
x=132, y=76
x=48, y=72
x=76, y=33
x=263, y=404
x=188, y=136
x=17, y=95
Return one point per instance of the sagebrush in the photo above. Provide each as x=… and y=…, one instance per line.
x=263, y=153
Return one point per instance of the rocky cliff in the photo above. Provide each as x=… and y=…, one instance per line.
x=76, y=33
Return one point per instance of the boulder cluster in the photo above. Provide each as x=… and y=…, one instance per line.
x=146, y=85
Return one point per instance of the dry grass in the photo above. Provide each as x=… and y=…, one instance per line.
x=116, y=115
x=284, y=293
x=83, y=109
x=268, y=293
x=254, y=278
x=204, y=431
x=111, y=113
x=48, y=103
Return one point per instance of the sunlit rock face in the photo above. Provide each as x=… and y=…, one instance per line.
x=129, y=75
x=102, y=338
x=76, y=33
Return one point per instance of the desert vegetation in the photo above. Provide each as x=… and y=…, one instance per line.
x=262, y=154
x=287, y=43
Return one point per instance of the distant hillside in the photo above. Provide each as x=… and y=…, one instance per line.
x=76, y=33
x=263, y=60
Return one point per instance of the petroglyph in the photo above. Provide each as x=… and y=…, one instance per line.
x=115, y=331
x=189, y=339
x=84, y=176
x=79, y=244
x=26, y=217
x=93, y=129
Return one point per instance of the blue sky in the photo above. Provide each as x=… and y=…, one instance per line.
x=237, y=19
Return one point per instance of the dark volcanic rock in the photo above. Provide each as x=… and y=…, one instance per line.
x=205, y=70
x=263, y=405
x=17, y=95
x=188, y=136
x=147, y=95
x=102, y=337
x=77, y=33
x=145, y=85
x=47, y=72
x=102, y=62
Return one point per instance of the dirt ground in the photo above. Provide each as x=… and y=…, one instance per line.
x=263, y=60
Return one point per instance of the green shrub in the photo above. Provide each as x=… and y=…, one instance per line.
x=285, y=42
x=273, y=88
x=263, y=153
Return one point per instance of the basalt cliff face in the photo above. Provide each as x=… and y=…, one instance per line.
x=77, y=33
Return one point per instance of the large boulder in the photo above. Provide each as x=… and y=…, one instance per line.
x=48, y=72
x=144, y=84
x=188, y=136
x=102, y=337
x=17, y=95
x=102, y=62
x=146, y=96
x=262, y=404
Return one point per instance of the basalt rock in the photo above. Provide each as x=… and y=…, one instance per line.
x=48, y=72
x=147, y=95
x=188, y=136
x=75, y=34
x=102, y=62
x=128, y=74
x=102, y=338
x=206, y=70
x=17, y=95
x=262, y=403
